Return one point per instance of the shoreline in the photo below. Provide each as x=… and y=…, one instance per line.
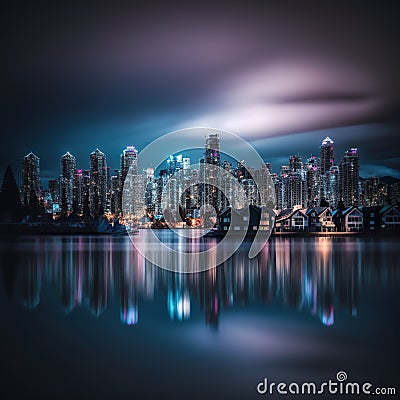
x=17, y=229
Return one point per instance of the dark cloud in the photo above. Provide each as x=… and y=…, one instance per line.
x=333, y=97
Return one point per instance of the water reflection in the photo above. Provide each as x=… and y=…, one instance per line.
x=318, y=275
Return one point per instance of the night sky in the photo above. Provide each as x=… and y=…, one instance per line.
x=282, y=75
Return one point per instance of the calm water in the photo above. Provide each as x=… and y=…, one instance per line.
x=87, y=317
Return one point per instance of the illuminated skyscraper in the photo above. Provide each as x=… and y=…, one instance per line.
x=129, y=158
x=212, y=153
x=210, y=194
x=349, y=178
x=327, y=161
x=54, y=190
x=115, y=204
x=295, y=163
x=150, y=190
x=79, y=191
x=174, y=164
x=186, y=163
x=30, y=175
x=312, y=180
x=333, y=189
x=327, y=158
x=98, y=183
x=291, y=186
x=68, y=168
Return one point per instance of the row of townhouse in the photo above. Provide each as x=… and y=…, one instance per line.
x=315, y=219
x=352, y=219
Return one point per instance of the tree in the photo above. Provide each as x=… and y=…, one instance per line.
x=10, y=201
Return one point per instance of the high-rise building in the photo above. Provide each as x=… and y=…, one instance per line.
x=212, y=152
x=86, y=186
x=349, y=178
x=98, y=183
x=209, y=192
x=30, y=176
x=312, y=181
x=115, y=204
x=54, y=190
x=68, y=168
x=174, y=164
x=129, y=158
x=327, y=159
x=186, y=163
x=295, y=163
x=150, y=190
x=161, y=182
x=284, y=170
x=333, y=188
x=129, y=161
x=79, y=191
x=291, y=186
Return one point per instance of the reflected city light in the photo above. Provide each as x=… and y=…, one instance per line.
x=314, y=276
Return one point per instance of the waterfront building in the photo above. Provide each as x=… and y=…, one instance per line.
x=68, y=169
x=320, y=219
x=209, y=192
x=350, y=219
x=327, y=160
x=292, y=220
x=312, y=181
x=244, y=219
x=333, y=188
x=349, y=178
x=30, y=176
x=381, y=218
x=150, y=190
x=98, y=183
x=129, y=163
x=115, y=201
x=129, y=159
x=79, y=191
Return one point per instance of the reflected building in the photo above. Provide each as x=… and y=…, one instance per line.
x=314, y=276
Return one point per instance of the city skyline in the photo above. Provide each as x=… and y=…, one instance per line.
x=275, y=166
x=327, y=179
